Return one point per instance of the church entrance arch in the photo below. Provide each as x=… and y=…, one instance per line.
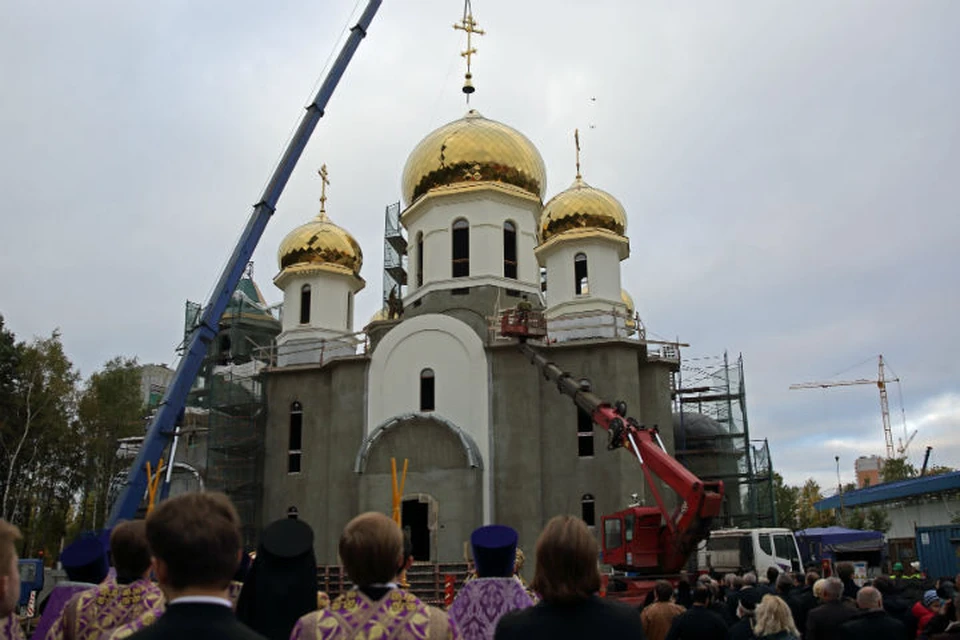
x=418, y=514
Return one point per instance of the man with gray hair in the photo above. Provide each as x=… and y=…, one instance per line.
x=823, y=623
x=873, y=622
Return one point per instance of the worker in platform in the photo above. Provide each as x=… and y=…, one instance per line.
x=567, y=580
x=97, y=612
x=281, y=585
x=371, y=550
x=9, y=581
x=496, y=590
x=88, y=566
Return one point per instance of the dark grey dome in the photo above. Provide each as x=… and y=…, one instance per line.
x=692, y=431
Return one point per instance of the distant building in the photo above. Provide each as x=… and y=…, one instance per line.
x=917, y=502
x=154, y=379
x=868, y=471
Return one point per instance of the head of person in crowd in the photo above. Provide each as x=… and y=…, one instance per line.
x=9, y=569
x=196, y=544
x=884, y=584
x=702, y=595
x=130, y=552
x=812, y=577
x=663, y=591
x=737, y=583
x=86, y=560
x=784, y=583
x=494, y=550
x=747, y=604
x=946, y=589
x=773, y=617
x=869, y=598
x=897, y=569
x=749, y=579
x=931, y=600
x=818, y=588
x=566, y=570
x=281, y=586
x=729, y=579
x=845, y=571
x=832, y=590
x=371, y=549
x=772, y=574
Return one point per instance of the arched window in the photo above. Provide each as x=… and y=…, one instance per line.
x=543, y=278
x=588, y=510
x=225, y=346
x=420, y=258
x=581, y=282
x=349, y=311
x=509, y=250
x=305, y=304
x=295, y=448
x=461, y=248
x=427, y=390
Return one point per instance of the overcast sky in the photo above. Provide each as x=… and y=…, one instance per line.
x=791, y=173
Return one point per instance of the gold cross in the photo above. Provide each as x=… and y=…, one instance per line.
x=324, y=181
x=576, y=140
x=469, y=25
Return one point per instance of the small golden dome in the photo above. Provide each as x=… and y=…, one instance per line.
x=631, y=310
x=474, y=149
x=379, y=316
x=321, y=243
x=582, y=207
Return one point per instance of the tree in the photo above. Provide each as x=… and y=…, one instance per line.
x=807, y=515
x=878, y=520
x=785, y=497
x=938, y=469
x=854, y=519
x=894, y=469
x=110, y=408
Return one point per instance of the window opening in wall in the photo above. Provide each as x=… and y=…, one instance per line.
x=584, y=434
x=509, y=250
x=580, y=274
x=349, y=312
x=588, y=510
x=427, y=390
x=305, y=304
x=225, y=346
x=461, y=248
x=543, y=278
x=420, y=258
x=295, y=445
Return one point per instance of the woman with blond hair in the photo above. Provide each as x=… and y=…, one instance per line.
x=774, y=620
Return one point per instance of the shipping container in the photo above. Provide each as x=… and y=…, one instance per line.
x=939, y=550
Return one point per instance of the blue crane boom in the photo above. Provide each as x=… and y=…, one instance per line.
x=162, y=427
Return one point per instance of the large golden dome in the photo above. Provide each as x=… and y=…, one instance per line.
x=474, y=149
x=321, y=243
x=582, y=207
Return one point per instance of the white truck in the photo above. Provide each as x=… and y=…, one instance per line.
x=743, y=550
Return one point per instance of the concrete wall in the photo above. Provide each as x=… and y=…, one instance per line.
x=326, y=491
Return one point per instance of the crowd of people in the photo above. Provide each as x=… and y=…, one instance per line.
x=183, y=574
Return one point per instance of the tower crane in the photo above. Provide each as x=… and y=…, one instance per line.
x=881, y=383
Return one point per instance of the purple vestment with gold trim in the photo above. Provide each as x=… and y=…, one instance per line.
x=399, y=615
x=483, y=601
x=95, y=613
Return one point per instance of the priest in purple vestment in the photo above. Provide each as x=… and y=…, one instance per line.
x=371, y=549
x=496, y=590
x=87, y=566
x=95, y=613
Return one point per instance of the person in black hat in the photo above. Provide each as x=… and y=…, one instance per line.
x=496, y=590
x=281, y=585
x=746, y=612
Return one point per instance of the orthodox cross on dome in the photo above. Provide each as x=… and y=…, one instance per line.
x=576, y=140
x=468, y=25
x=324, y=181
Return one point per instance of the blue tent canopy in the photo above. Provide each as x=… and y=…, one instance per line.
x=826, y=542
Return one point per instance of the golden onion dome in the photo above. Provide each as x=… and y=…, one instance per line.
x=474, y=149
x=321, y=243
x=379, y=316
x=582, y=207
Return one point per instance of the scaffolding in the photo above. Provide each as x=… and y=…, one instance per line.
x=394, y=254
x=712, y=439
